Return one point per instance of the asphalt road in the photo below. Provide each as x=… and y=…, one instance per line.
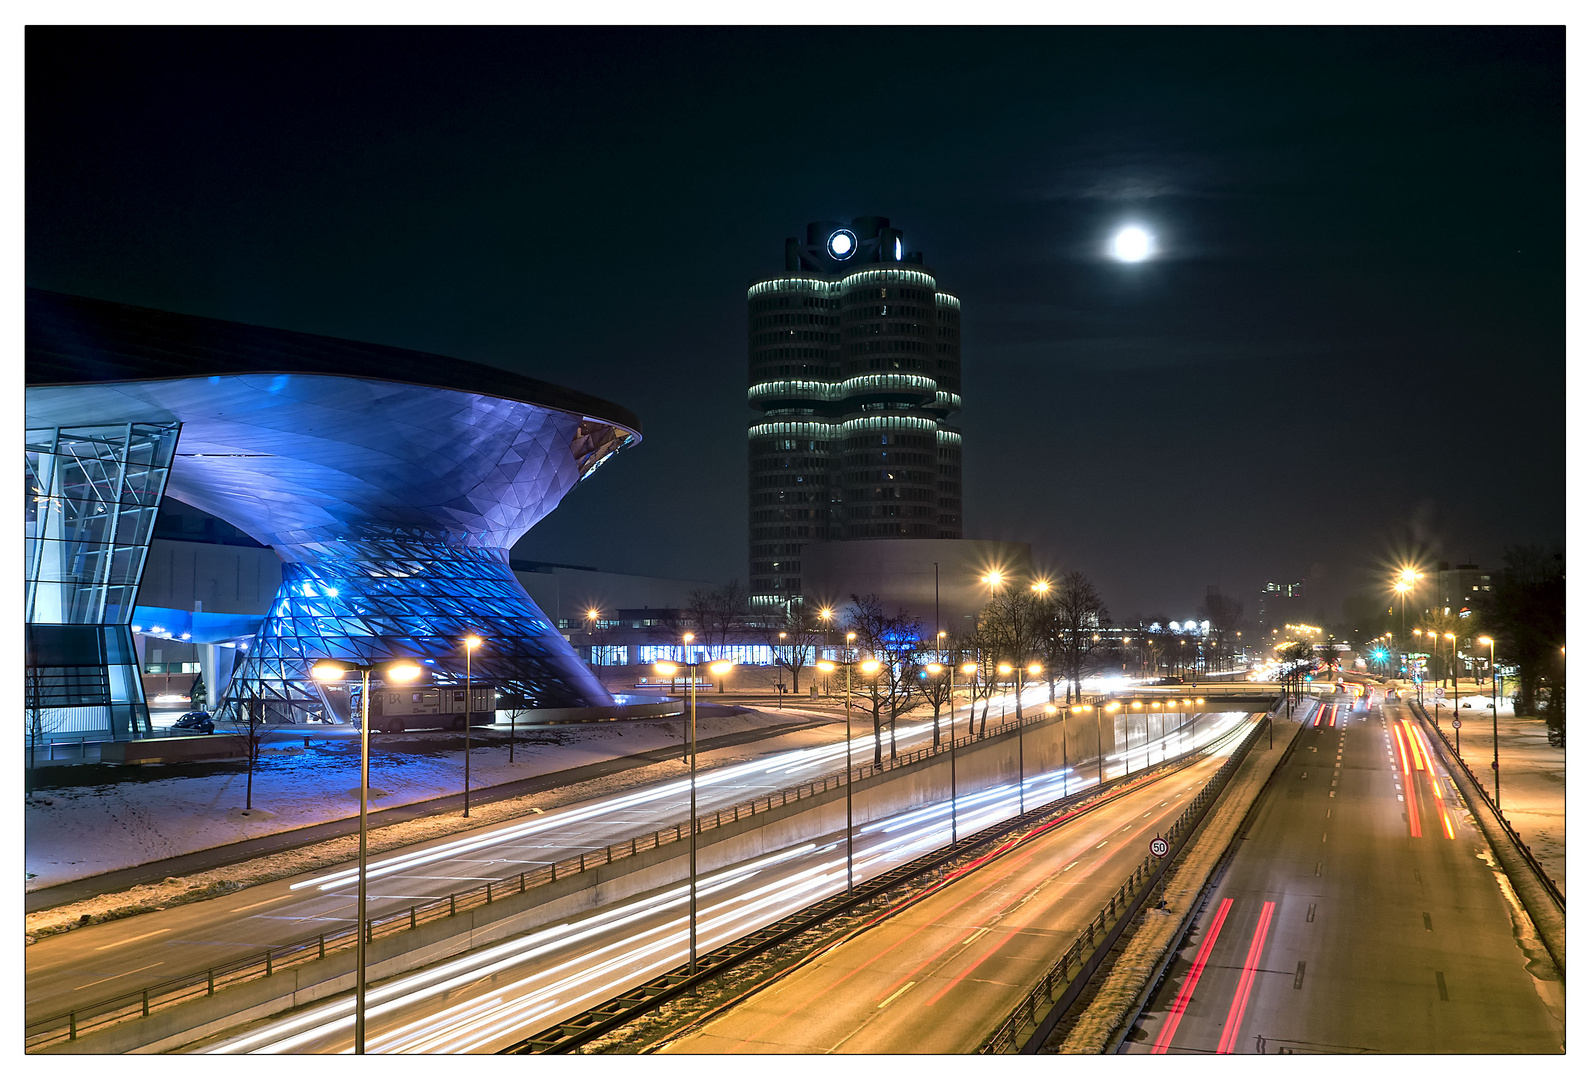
x=494, y=996
x=941, y=975
x=97, y=962
x=1361, y=914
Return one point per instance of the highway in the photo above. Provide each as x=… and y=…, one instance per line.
x=494, y=996
x=941, y=975
x=95, y=963
x=1361, y=914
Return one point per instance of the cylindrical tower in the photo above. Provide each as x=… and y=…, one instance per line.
x=855, y=364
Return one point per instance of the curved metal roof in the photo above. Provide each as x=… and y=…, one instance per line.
x=73, y=340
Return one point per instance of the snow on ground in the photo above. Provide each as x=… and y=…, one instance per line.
x=1533, y=774
x=81, y=829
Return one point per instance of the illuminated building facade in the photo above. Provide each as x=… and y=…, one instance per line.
x=855, y=365
x=391, y=484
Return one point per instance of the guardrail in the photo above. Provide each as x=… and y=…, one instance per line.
x=1547, y=881
x=1064, y=981
x=68, y=1026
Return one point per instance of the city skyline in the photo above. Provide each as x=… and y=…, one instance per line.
x=439, y=192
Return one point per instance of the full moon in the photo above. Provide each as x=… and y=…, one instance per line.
x=1132, y=244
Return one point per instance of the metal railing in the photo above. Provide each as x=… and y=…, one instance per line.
x=1547, y=881
x=135, y=1004
x=1060, y=985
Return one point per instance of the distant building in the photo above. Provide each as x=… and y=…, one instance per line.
x=855, y=364
x=1280, y=603
x=1459, y=588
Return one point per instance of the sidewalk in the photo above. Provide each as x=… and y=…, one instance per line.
x=1533, y=773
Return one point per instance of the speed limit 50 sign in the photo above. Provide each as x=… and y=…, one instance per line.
x=1158, y=847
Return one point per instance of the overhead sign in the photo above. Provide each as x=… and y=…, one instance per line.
x=1158, y=847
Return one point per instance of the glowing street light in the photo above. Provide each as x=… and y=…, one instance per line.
x=398, y=671
x=1497, y=776
x=669, y=668
x=471, y=643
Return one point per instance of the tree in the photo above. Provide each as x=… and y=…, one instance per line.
x=1015, y=617
x=1527, y=612
x=252, y=720
x=892, y=640
x=793, y=641
x=937, y=685
x=1080, y=614
x=718, y=614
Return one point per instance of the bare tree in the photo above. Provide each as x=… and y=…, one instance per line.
x=252, y=720
x=936, y=686
x=719, y=614
x=981, y=648
x=1015, y=616
x=1080, y=614
x=793, y=642
x=892, y=640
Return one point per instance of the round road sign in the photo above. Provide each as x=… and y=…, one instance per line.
x=1455, y=725
x=1158, y=847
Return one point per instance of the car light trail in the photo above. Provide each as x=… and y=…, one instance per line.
x=1185, y=994
x=652, y=935
x=1245, y=983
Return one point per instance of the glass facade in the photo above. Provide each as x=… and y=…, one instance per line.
x=90, y=501
x=399, y=597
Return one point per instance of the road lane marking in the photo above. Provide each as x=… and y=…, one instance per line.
x=1298, y=979
x=1180, y=1005
x=108, y=978
x=1426, y=915
x=976, y=934
x=1311, y=916
x=140, y=937
x=262, y=903
x=897, y=993
x=1069, y=865
x=1101, y=844
x=1441, y=985
x=1234, y=1016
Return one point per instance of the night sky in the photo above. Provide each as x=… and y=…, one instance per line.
x=1350, y=349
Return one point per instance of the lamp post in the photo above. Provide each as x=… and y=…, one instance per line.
x=592, y=615
x=400, y=671
x=780, y=683
x=1053, y=711
x=827, y=615
x=869, y=667
x=717, y=667
x=1454, y=639
x=471, y=643
x=1497, y=776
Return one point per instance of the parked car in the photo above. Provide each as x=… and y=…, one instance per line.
x=195, y=721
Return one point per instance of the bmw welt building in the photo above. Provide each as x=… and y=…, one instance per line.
x=390, y=483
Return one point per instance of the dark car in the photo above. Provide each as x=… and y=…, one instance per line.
x=195, y=721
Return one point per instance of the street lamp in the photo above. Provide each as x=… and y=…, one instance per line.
x=780, y=683
x=471, y=643
x=1100, y=708
x=869, y=667
x=1497, y=776
x=720, y=668
x=592, y=616
x=827, y=615
x=994, y=579
x=398, y=671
